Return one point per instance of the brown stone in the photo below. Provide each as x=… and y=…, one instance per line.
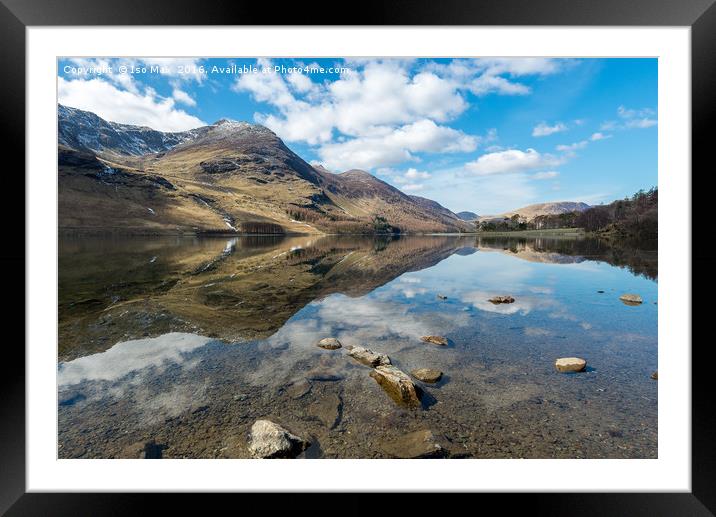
x=427, y=374
x=397, y=384
x=570, y=364
x=435, y=340
x=631, y=299
x=501, y=299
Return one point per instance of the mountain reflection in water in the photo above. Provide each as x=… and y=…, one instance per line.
x=186, y=341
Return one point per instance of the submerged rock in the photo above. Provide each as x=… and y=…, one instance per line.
x=427, y=374
x=329, y=343
x=418, y=444
x=397, y=384
x=324, y=374
x=631, y=299
x=655, y=376
x=501, y=299
x=570, y=364
x=270, y=440
x=367, y=357
x=435, y=340
x=327, y=410
x=298, y=389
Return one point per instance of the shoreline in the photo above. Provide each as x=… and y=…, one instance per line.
x=568, y=232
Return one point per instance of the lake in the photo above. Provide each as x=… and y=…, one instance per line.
x=173, y=347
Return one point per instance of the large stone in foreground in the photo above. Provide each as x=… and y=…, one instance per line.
x=329, y=343
x=427, y=374
x=367, y=357
x=570, y=364
x=418, y=444
x=269, y=440
x=397, y=384
x=435, y=340
x=631, y=299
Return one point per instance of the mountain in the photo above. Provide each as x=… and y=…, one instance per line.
x=529, y=212
x=468, y=216
x=85, y=131
x=226, y=177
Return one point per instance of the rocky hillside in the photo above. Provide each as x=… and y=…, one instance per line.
x=227, y=177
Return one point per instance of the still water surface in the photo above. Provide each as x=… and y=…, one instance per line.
x=182, y=343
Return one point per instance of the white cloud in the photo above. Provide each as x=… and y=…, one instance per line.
x=123, y=106
x=599, y=136
x=511, y=161
x=543, y=129
x=545, y=175
x=631, y=119
x=416, y=174
x=410, y=180
x=183, y=97
x=379, y=95
x=570, y=148
x=376, y=114
x=495, y=75
x=392, y=146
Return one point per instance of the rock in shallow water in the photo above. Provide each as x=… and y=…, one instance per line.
x=298, y=389
x=570, y=364
x=327, y=410
x=367, y=357
x=270, y=440
x=397, y=384
x=329, y=343
x=501, y=299
x=418, y=444
x=435, y=340
x=631, y=299
x=427, y=374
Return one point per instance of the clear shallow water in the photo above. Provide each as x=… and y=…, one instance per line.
x=184, y=343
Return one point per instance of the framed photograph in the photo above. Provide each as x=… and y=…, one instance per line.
x=419, y=253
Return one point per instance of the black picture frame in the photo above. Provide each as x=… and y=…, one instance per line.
x=700, y=15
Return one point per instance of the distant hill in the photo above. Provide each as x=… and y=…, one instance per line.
x=229, y=176
x=529, y=212
x=467, y=216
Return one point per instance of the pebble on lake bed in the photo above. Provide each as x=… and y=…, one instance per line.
x=570, y=364
x=435, y=340
x=501, y=299
x=631, y=299
x=427, y=374
x=329, y=343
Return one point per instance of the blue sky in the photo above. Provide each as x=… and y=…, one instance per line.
x=485, y=135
